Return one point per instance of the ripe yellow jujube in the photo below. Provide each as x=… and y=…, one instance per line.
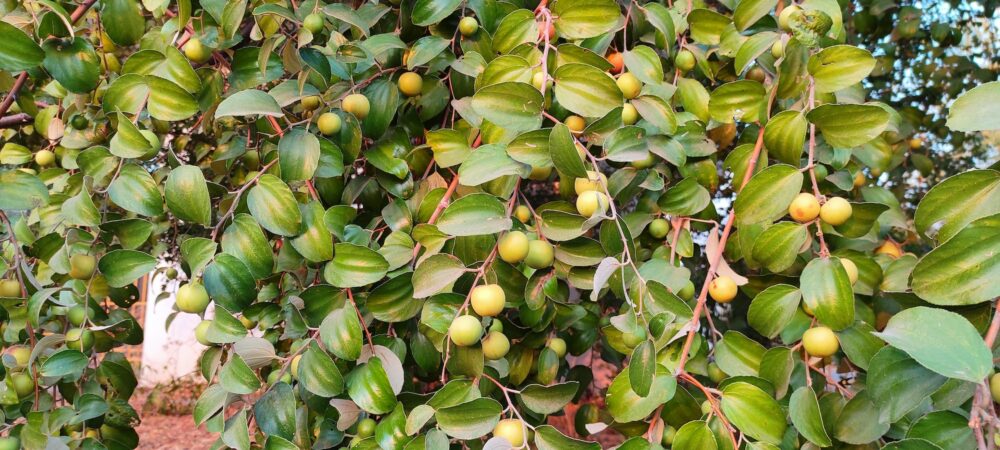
x=835, y=211
x=804, y=207
x=722, y=289
x=488, y=300
x=820, y=341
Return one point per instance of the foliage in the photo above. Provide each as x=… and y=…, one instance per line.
x=336, y=179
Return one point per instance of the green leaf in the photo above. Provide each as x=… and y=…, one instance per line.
x=548, y=437
x=435, y=274
x=298, y=155
x=450, y=147
x=73, y=63
x=737, y=354
x=961, y=271
x=695, y=435
x=246, y=241
x=428, y=12
x=318, y=374
x=803, y=408
x=707, y=26
x=773, y=308
x=586, y=90
x=767, y=195
x=518, y=27
x=784, y=135
x=562, y=150
x=505, y=68
x=828, y=293
x=643, y=62
x=64, y=362
x=737, y=101
x=469, y=420
x=197, y=253
x=686, y=198
x=755, y=46
x=779, y=245
x=271, y=202
x=368, y=385
x=858, y=422
x=21, y=191
x=123, y=267
x=236, y=377
x=135, y=190
x=354, y=266
x=642, y=368
x=657, y=112
x=314, y=242
x=898, y=384
x=748, y=12
x=548, y=399
x=977, y=109
x=941, y=341
x=123, y=21
x=512, y=105
x=627, y=406
x=581, y=19
x=393, y=301
x=80, y=210
x=187, y=195
x=128, y=141
x=20, y=52
x=247, y=103
x=487, y=163
x=754, y=412
x=426, y=49
x=275, y=412
x=474, y=215
x=230, y=283
x=945, y=429
x=168, y=101
x=957, y=201
x=340, y=332
x=839, y=67
x=224, y=328
x=846, y=126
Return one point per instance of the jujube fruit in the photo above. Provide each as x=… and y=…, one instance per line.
x=465, y=330
x=820, y=341
x=488, y=300
x=540, y=254
x=804, y=207
x=192, y=298
x=836, y=211
x=357, y=104
x=411, y=84
x=513, y=247
x=722, y=289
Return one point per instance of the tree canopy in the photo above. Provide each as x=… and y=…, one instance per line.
x=438, y=224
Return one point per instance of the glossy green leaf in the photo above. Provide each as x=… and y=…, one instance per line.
x=474, y=215
x=957, y=201
x=354, y=266
x=804, y=410
x=846, y=126
x=586, y=90
x=976, y=109
x=123, y=267
x=754, y=412
x=626, y=406
x=20, y=52
x=271, y=202
x=828, y=292
x=767, y=195
x=941, y=341
x=469, y=420
x=187, y=195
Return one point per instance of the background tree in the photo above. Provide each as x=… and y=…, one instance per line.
x=423, y=224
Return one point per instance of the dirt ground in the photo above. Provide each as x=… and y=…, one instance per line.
x=172, y=433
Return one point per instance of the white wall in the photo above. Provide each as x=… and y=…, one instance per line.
x=167, y=353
